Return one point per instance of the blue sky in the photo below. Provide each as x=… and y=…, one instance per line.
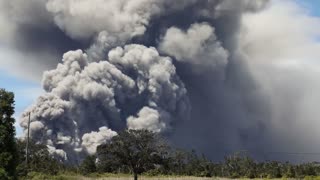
x=26, y=91
x=312, y=5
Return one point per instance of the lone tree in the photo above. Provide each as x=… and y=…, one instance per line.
x=138, y=150
x=8, y=152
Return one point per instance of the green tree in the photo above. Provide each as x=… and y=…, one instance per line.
x=3, y=174
x=197, y=166
x=240, y=165
x=8, y=161
x=139, y=150
x=177, y=162
x=88, y=165
x=39, y=159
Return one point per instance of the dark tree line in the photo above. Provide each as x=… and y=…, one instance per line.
x=135, y=152
x=162, y=161
x=141, y=151
x=39, y=160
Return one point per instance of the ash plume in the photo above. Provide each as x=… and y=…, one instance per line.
x=198, y=45
x=183, y=68
x=85, y=102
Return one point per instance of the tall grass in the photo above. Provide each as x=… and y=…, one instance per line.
x=39, y=176
x=72, y=176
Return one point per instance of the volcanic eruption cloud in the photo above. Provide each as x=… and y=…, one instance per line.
x=182, y=68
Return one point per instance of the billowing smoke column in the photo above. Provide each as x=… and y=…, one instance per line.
x=168, y=66
x=135, y=88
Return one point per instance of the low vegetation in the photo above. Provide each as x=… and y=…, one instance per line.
x=131, y=153
x=141, y=152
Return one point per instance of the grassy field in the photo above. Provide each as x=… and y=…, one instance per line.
x=150, y=178
x=183, y=178
x=62, y=177
x=37, y=176
x=68, y=177
x=74, y=177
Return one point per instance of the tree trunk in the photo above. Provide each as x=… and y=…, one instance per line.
x=135, y=176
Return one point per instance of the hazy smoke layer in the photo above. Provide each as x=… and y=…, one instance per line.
x=125, y=19
x=185, y=68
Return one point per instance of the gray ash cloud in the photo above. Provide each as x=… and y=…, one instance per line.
x=174, y=67
x=134, y=88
